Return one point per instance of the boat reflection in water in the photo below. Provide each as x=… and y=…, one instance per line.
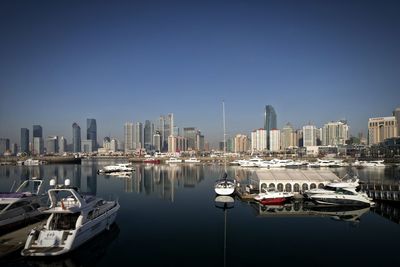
x=308, y=209
x=89, y=254
x=224, y=203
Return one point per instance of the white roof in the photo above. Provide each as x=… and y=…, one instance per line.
x=295, y=175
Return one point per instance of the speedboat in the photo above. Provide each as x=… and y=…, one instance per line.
x=253, y=162
x=225, y=186
x=120, y=167
x=272, y=196
x=173, y=160
x=23, y=204
x=192, y=160
x=332, y=187
x=74, y=219
x=343, y=196
x=151, y=160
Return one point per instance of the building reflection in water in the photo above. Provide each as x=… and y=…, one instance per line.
x=163, y=180
x=390, y=211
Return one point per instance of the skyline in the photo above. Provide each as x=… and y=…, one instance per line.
x=312, y=61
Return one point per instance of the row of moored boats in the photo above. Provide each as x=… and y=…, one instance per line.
x=289, y=163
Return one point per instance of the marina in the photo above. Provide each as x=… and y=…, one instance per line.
x=154, y=197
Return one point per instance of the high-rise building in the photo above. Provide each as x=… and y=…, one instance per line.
x=309, y=135
x=335, y=133
x=114, y=145
x=52, y=144
x=172, y=144
x=38, y=146
x=24, y=140
x=275, y=140
x=4, y=145
x=76, y=137
x=128, y=137
x=258, y=140
x=87, y=146
x=37, y=131
x=241, y=143
x=166, y=128
x=381, y=128
x=91, y=131
x=14, y=149
x=288, y=137
x=396, y=114
x=190, y=134
x=269, y=122
x=62, y=145
x=157, y=141
x=138, y=135
x=199, y=141
x=148, y=133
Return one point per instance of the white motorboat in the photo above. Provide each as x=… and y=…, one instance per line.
x=173, y=160
x=120, y=167
x=272, y=196
x=192, y=160
x=329, y=188
x=343, y=196
x=23, y=204
x=253, y=162
x=74, y=219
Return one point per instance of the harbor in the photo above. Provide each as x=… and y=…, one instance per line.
x=158, y=191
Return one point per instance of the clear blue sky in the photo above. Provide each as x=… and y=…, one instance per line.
x=116, y=61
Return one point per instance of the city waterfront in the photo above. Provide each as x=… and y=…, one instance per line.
x=169, y=217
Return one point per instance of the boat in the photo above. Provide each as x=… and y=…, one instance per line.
x=74, y=219
x=192, y=160
x=120, y=167
x=151, y=160
x=225, y=186
x=343, y=196
x=22, y=205
x=332, y=187
x=272, y=196
x=253, y=162
x=173, y=160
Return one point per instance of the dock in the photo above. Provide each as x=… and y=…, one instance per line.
x=383, y=192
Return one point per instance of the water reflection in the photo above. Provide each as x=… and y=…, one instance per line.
x=225, y=203
x=89, y=254
x=390, y=211
x=162, y=180
x=351, y=214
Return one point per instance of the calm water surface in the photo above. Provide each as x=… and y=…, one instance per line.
x=168, y=217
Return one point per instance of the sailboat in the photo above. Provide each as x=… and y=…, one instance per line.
x=224, y=186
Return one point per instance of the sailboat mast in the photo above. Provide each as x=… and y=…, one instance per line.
x=223, y=118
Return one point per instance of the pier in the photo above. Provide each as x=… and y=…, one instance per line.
x=385, y=192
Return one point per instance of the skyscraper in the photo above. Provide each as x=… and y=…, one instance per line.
x=24, y=140
x=37, y=138
x=91, y=132
x=335, y=133
x=166, y=128
x=381, y=128
x=190, y=134
x=269, y=122
x=128, y=137
x=4, y=145
x=148, y=135
x=138, y=135
x=396, y=114
x=76, y=137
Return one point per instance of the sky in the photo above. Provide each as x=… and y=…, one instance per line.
x=117, y=61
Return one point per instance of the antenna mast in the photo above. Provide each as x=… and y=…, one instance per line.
x=223, y=117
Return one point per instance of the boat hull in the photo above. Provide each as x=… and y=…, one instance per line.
x=276, y=200
x=49, y=242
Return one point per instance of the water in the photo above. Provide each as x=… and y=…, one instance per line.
x=168, y=217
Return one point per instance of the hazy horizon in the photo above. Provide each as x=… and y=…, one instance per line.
x=120, y=61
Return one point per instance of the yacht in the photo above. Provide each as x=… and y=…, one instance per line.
x=151, y=160
x=253, y=162
x=74, y=219
x=192, y=160
x=352, y=183
x=343, y=196
x=272, y=196
x=173, y=160
x=120, y=167
x=23, y=204
x=225, y=186
x=31, y=162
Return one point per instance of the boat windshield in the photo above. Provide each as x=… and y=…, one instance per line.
x=30, y=186
x=64, y=221
x=342, y=191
